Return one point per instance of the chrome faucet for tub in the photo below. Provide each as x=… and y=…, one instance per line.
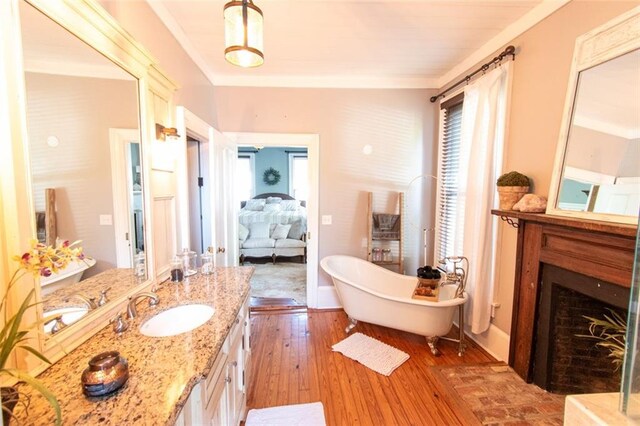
x=90, y=302
x=132, y=312
x=458, y=273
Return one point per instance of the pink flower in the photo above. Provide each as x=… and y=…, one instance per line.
x=26, y=257
x=45, y=272
x=66, y=243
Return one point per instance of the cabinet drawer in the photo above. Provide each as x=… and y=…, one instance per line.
x=216, y=370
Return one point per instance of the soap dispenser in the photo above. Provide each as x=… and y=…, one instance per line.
x=177, y=270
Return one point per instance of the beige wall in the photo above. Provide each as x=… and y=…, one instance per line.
x=79, y=111
x=398, y=124
x=195, y=91
x=540, y=75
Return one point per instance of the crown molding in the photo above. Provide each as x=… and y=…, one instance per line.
x=531, y=18
x=327, y=82
x=527, y=21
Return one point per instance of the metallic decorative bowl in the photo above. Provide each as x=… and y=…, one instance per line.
x=107, y=373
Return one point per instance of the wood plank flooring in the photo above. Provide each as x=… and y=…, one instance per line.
x=294, y=364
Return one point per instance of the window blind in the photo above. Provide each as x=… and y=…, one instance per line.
x=448, y=181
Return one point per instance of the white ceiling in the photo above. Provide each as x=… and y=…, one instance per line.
x=607, y=97
x=355, y=43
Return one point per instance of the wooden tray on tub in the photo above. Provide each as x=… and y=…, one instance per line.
x=427, y=289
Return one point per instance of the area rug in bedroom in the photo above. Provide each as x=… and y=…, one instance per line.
x=494, y=394
x=282, y=280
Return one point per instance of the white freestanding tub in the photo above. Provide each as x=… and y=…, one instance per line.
x=69, y=275
x=376, y=295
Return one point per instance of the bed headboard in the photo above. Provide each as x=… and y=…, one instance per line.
x=273, y=194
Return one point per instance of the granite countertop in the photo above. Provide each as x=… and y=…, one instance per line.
x=118, y=281
x=162, y=371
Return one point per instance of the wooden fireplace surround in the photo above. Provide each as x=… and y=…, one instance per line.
x=596, y=249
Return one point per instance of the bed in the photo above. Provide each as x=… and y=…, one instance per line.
x=293, y=211
x=259, y=219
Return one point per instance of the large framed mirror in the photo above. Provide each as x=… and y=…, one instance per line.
x=83, y=123
x=597, y=168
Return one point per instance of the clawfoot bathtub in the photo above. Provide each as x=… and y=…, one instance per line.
x=376, y=295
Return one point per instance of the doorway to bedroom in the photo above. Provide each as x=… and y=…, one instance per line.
x=277, y=188
x=273, y=186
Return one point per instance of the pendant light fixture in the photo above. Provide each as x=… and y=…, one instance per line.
x=243, y=33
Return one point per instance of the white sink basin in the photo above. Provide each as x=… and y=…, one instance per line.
x=69, y=316
x=177, y=320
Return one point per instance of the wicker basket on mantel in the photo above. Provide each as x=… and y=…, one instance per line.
x=510, y=195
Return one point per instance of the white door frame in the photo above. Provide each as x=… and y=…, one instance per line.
x=187, y=123
x=312, y=143
x=121, y=178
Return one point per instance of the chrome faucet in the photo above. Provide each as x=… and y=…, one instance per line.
x=132, y=312
x=458, y=274
x=89, y=302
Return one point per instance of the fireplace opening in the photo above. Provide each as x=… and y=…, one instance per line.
x=565, y=362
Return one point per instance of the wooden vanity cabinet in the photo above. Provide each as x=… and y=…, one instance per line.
x=221, y=398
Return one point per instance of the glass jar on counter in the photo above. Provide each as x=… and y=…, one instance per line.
x=206, y=259
x=189, y=260
x=177, y=270
x=386, y=255
x=139, y=265
x=377, y=254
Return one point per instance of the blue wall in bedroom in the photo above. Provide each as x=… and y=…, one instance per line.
x=278, y=158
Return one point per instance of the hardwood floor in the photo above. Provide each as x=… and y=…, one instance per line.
x=293, y=363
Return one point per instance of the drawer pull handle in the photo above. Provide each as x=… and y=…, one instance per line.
x=234, y=363
x=245, y=323
x=228, y=380
x=237, y=320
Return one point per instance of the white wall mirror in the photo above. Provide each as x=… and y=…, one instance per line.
x=597, y=171
x=83, y=129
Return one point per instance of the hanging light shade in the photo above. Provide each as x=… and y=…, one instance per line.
x=243, y=33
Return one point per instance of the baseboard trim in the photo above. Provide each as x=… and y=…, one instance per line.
x=328, y=297
x=494, y=341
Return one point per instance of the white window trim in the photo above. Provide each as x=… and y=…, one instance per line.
x=252, y=165
x=436, y=234
x=293, y=155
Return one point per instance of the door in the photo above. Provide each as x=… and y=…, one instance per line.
x=224, y=205
x=128, y=218
x=199, y=182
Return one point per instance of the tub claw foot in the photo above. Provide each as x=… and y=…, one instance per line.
x=433, y=342
x=351, y=326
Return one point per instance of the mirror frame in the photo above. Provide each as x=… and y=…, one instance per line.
x=91, y=24
x=615, y=38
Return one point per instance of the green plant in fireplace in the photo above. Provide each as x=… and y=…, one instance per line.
x=611, y=332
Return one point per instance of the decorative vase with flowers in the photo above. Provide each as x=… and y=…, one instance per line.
x=512, y=187
x=39, y=260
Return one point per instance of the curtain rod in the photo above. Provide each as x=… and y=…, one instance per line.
x=509, y=50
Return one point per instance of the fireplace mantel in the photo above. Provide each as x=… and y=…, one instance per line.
x=596, y=249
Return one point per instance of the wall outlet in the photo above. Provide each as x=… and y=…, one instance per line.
x=327, y=219
x=106, y=219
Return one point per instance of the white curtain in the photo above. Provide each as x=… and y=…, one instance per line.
x=484, y=117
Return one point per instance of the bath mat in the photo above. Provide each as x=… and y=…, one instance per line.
x=371, y=353
x=300, y=414
x=494, y=394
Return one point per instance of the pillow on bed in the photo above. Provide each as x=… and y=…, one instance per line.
x=274, y=200
x=290, y=205
x=281, y=232
x=259, y=229
x=255, y=205
x=272, y=208
x=243, y=232
x=296, y=231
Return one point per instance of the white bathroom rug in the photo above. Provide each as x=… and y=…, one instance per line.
x=288, y=415
x=371, y=353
